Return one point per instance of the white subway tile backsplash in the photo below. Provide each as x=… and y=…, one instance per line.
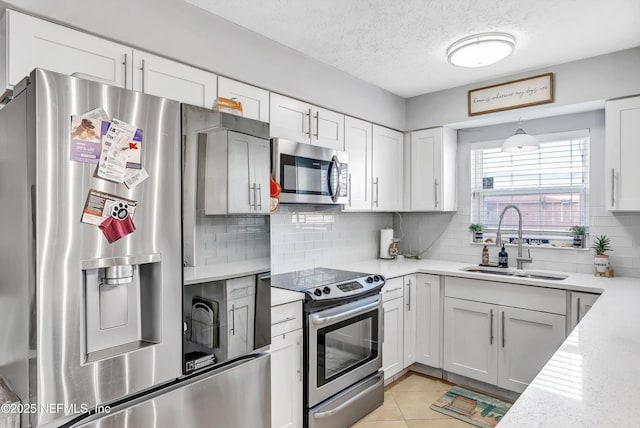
x=323, y=238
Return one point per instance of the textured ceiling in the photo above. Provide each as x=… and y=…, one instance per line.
x=400, y=45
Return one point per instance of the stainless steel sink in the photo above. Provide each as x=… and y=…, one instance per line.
x=518, y=273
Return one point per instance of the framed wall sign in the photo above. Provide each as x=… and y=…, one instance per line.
x=509, y=95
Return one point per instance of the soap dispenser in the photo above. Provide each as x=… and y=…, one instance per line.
x=503, y=258
x=485, y=256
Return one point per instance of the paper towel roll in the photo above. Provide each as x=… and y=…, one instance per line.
x=386, y=239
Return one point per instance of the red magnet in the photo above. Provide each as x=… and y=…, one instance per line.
x=118, y=224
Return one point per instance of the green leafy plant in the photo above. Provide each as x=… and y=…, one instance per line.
x=578, y=230
x=475, y=227
x=601, y=244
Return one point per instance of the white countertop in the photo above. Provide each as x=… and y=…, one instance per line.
x=593, y=380
x=198, y=274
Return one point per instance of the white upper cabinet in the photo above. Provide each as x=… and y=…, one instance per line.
x=290, y=119
x=387, y=169
x=302, y=122
x=622, y=152
x=431, y=161
x=34, y=43
x=357, y=142
x=327, y=128
x=162, y=77
x=255, y=101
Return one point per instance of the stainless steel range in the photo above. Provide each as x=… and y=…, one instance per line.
x=342, y=344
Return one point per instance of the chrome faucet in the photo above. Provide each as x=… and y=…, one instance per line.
x=519, y=260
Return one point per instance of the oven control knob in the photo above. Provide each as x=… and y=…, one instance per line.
x=370, y=279
x=317, y=292
x=326, y=290
x=376, y=278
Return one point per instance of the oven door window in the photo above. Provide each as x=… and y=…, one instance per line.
x=347, y=345
x=306, y=176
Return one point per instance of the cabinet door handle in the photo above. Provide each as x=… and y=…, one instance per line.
x=124, y=65
x=503, y=329
x=299, y=360
x=233, y=320
x=491, y=327
x=142, y=69
x=393, y=289
x=307, y=116
x=287, y=319
x=349, y=189
x=317, y=117
x=377, y=187
x=435, y=192
x=613, y=186
x=578, y=317
x=409, y=294
x=258, y=201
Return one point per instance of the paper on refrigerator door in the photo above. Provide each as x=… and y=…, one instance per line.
x=135, y=177
x=114, y=155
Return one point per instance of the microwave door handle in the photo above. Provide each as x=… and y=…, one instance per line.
x=334, y=165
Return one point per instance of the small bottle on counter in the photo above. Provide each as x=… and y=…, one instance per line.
x=503, y=258
x=485, y=256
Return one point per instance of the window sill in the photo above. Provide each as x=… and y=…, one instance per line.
x=542, y=246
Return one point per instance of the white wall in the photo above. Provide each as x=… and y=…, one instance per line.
x=446, y=235
x=308, y=237
x=579, y=85
x=178, y=30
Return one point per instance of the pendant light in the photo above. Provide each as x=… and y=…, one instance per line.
x=520, y=142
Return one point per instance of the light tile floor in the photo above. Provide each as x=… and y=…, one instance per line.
x=406, y=405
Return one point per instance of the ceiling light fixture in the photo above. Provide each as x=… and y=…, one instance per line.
x=481, y=49
x=520, y=142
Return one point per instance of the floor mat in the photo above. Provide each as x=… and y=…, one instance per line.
x=471, y=407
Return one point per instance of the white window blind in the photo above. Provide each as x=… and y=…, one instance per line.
x=549, y=186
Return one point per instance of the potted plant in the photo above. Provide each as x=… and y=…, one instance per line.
x=578, y=233
x=476, y=230
x=601, y=244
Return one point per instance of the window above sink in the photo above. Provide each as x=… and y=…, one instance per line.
x=550, y=186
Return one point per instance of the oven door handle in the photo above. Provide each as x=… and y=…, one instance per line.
x=318, y=320
x=347, y=403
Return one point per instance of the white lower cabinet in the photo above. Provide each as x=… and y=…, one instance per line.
x=527, y=340
x=470, y=339
x=286, y=380
x=580, y=305
x=501, y=333
x=428, y=326
x=410, y=319
x=286, y=365
x=392, y=346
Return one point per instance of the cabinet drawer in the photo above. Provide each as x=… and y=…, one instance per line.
x=286, y=318
x=505, y=294
x=393, y=288
x=241, y=287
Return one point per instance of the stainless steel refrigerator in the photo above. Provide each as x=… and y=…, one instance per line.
x=91, y=321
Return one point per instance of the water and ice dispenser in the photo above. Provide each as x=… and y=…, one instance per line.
x=122, y=305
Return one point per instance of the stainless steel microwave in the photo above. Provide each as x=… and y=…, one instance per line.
x=309, y=174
